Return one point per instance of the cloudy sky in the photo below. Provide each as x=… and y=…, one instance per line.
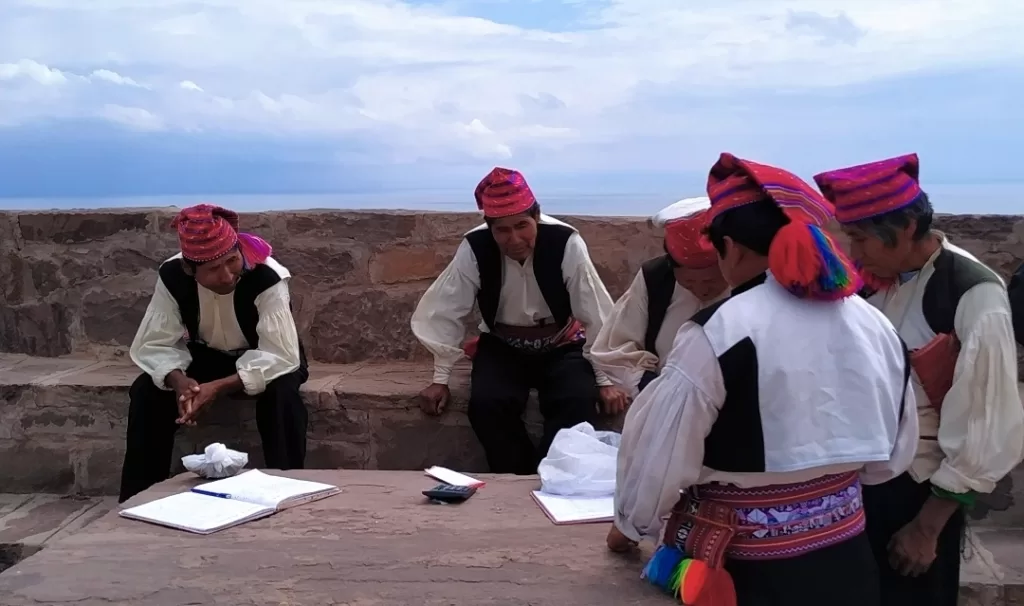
x=134, y=97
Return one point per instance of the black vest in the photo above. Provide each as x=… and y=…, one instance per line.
x=660, y=281
x=1016, y=292
x=548, y=252
x=185, y=291
x=736, y=442
x=954, y=275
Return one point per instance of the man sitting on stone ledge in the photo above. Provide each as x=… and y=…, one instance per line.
x=638, y=335
x=952, y=311
x=542, y=304
x=219, y=322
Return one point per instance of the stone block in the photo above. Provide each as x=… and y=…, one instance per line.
x=39, y=328
x=80, y=226
x=324, y=264
x=369, y=227
x=411, y=263
x=360, y=323
x=112, y=317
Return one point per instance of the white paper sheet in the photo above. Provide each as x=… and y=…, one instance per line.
x=454, y=478
x=265, y=489
x=576, y=510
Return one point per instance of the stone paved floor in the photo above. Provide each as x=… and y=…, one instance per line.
x=374, y=544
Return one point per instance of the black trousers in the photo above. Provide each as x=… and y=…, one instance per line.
x=838, y=575
x=500, y=386
x=891, y=506
x=645, y=380
x=281, y=418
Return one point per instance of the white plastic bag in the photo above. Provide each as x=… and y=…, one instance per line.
x=217, y=461
x=581, y=462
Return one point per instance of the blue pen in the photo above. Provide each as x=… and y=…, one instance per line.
x=219, y=495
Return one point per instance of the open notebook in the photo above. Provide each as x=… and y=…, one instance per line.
x=222, y=504
x=575, y=510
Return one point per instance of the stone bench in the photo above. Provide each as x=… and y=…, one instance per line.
x=63, y=422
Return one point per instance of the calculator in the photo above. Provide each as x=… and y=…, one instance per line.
x=450, y=493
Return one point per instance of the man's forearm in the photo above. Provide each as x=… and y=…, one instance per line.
x=935, y=513
x=174, y=377
x=229, y=385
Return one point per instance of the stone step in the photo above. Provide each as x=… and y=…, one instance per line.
x=63, y=422
x=28, y=522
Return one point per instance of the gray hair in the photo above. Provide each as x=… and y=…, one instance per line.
x=887, y=227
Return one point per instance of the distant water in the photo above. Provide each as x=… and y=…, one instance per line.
x=996, y=198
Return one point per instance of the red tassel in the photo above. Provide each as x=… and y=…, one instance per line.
x=794, y=257
x=718, y=589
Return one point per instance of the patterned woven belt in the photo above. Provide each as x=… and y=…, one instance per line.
x=770, y=522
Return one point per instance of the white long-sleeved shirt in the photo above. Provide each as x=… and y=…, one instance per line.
x=438, y=319
x=618, y=350
x=159, y=345
x=662, y=449
x=980, y=435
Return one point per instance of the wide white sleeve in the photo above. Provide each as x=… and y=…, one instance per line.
x=278, y=353
x=159, y=344
x=589, y=298
x=618, y=351
x=438, y=321
x=981, y=426
x=662, y=449
x=904, y=448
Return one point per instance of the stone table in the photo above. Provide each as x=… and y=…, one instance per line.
x=377, y=543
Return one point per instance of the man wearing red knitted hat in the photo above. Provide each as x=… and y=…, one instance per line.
x=770, y=410
x=637, y=337
x=219, y=322
x=542, y=304
x=952, y=312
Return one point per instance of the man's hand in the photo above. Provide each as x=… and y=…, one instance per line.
x=207, y=392
x=185, y=389
x=912, y=549
x=613, y=400
x=618, y=542
x=434, y=398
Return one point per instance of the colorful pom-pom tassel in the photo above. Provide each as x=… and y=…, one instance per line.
x=663, y=564
x=693, y=582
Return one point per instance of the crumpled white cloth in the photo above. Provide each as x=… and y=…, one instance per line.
x=217, y=461
x=581, y=462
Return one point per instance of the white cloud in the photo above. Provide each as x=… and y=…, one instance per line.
x=132, y=117
x=114, y=78
x=442, y=82
x=32, y=70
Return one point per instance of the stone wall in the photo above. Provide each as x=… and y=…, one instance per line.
x=79, y=282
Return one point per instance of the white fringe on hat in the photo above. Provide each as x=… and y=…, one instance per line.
x=680, y=209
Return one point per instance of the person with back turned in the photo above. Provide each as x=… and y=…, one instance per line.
x=219, y=323
x=748, y=454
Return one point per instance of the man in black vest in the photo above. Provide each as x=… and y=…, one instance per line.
x=542, y=303
x=638, y=335
x=219, y=323
x=1016, y=292
x=952, y=312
